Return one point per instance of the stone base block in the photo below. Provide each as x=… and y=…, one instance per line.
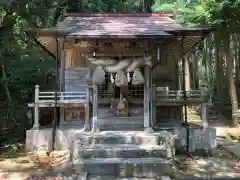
x=199, y=139
x=41, y=140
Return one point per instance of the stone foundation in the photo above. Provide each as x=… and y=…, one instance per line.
x=41, y=140
x=200, y=139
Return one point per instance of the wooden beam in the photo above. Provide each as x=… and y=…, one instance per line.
x=114, y=45
x=66, y=105
x=112, y=52
x=124, y=54
x=107, y=49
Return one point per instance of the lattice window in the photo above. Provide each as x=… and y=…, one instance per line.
x=136, y=92
x=105, y=91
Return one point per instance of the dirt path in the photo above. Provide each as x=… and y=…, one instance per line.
x=222, y=165
x=216, y=120
x=16, y=165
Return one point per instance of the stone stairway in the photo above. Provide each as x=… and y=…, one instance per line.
x=118, y=155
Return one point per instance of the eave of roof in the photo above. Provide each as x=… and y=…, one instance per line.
x=59, y=33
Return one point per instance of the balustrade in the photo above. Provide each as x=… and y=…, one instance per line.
x=178, y=96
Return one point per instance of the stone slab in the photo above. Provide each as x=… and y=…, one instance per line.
x=235, y=149
x=121, y=123
x=125, y=167
x=232, y=146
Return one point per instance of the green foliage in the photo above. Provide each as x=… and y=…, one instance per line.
x=23, y=64
x=224, y=16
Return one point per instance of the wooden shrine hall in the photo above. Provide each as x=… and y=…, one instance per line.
x=118, y=70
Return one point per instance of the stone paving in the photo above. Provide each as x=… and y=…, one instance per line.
x=217, y=121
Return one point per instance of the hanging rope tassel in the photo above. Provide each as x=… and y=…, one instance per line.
x=137, y=78
x=98, y=76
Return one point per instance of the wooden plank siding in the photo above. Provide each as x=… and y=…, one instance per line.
x=76, y=60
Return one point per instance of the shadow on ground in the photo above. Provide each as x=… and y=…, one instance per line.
x=222, y=164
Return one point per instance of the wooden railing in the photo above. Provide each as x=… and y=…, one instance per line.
x=62, y=97
x=162, y=95
x=165, y=95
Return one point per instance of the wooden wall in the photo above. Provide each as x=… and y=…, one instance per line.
x=76, y=75
x=75, y=59
x=165, y=74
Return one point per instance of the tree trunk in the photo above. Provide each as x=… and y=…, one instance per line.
x=232, y=87
x=218, y=73
x=9, y=98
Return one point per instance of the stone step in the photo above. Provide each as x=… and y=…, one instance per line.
x=121, y=127
x=95, y=177
x=123, y=151
x=119, y=137
x=125, y=167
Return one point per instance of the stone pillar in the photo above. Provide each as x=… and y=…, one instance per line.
x=95, y=127
x=204, y=115
x=147, y=99
x=36, y=108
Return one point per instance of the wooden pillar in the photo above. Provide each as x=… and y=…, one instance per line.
x=153, y=113
x=147, y=98
x=87, y=104
x=87, y=111
x=36, y=108
x=95, y=127
x=150, y=97
x=63, y=57
x=177, y=76
x=187, y=75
